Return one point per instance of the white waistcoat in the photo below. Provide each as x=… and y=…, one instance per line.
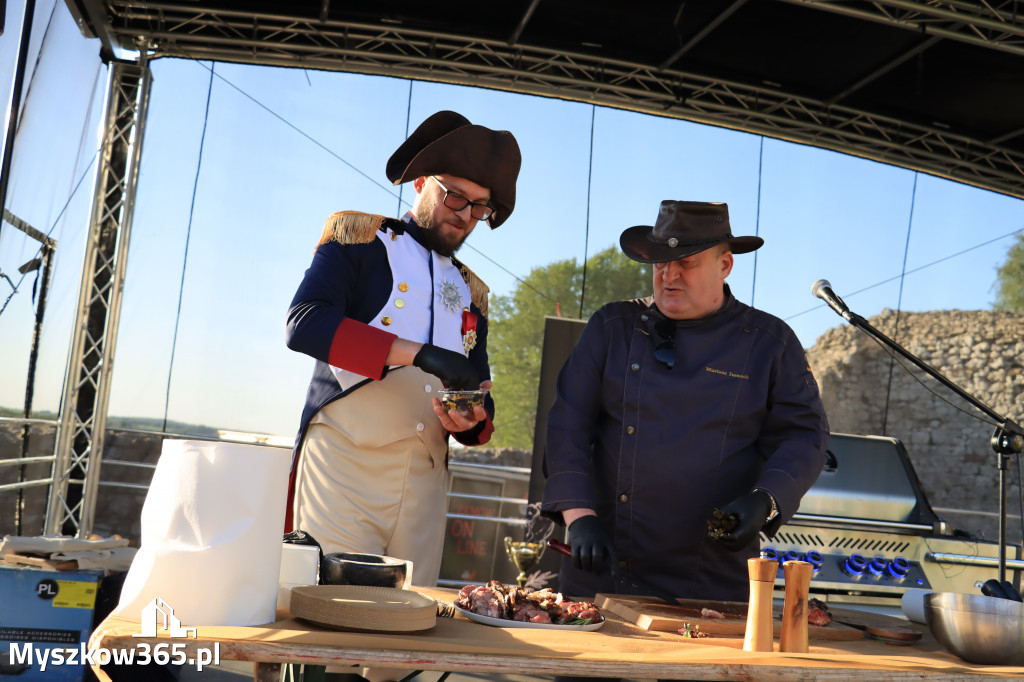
x=413, y=293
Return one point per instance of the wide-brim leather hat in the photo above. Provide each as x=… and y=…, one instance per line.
x=447, y=143
x=682, y=229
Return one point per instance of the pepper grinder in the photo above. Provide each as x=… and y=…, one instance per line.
x=759, y=635
x=794, y=610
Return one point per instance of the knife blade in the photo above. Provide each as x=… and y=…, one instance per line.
x=620, y=573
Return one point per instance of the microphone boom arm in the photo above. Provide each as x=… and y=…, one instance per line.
x=1007, y=439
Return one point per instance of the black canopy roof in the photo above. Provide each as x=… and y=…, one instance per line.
x=935, y=86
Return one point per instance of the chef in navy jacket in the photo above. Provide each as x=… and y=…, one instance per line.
x=673, y=406
x=391, y=318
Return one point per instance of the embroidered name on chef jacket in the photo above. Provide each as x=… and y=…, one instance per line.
x=724, y=373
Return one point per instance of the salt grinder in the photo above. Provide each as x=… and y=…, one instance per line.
x=759, y=612
x=794, y=610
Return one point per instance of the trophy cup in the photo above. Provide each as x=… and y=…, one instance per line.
x=524, y=555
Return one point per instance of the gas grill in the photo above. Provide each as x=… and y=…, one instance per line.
x=871, y=534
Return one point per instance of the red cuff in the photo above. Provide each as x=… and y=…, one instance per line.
x=485, y=435
x=360, y=348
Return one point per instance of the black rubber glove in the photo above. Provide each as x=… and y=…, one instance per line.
x=751, y=510
x=592, y=549
x=454, y=369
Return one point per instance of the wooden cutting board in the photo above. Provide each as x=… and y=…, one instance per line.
x=39, y=562
x=651, y=614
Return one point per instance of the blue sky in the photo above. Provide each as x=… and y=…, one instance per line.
x=284, y=148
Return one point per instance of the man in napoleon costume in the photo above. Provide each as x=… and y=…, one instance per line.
x=391, y=317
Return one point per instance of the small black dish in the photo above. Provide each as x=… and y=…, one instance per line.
x=350, y=568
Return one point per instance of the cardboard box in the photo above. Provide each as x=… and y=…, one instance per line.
x=45, y=622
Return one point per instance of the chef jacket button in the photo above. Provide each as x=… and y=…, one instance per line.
x=428, y=388
x=644, y=317
x=623, y=498
x=399, y=302
x=385, y=320
x=630, y=430
x=403, y=287
x=635, y=366
x=420, y=427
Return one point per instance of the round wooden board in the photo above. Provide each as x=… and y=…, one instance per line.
x=359, y=607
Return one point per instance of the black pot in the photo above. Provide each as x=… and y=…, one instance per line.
x=350, y=568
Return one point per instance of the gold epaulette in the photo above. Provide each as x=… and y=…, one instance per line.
x=351, y=227
x=477, y=289
x=356, y=227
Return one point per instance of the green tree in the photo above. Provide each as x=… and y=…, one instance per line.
x=1010, y=279
x=516, y=329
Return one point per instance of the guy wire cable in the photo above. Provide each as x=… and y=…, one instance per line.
x=408, y=113
x=35, y=68
x=337, y=156
x=14, y=104
x=899, y=303
x=915, y=270
x=81, y=145
x=757, y=218
x=586, y=232
x=55, y=222
x=188, y=236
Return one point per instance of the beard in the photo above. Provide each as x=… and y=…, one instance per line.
x=432, y=236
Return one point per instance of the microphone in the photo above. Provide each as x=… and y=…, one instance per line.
x=823, y=289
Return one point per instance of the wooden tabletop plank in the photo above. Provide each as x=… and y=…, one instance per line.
x=618, y=649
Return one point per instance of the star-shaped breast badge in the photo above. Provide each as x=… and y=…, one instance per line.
x=451, y=297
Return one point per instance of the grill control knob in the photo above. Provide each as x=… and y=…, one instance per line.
x=898, y=568
x=815, y=559
x=877, y=565
x=793, y=555
x=770, y=553
x=855, y=565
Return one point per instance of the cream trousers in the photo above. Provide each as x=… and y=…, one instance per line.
x=372, y=473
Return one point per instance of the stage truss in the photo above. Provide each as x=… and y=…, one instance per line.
x=279, y=34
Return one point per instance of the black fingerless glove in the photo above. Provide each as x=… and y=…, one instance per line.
x=592, y=548
x=454, y=369
x=751, y=512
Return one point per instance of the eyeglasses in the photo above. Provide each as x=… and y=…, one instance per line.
x=665, y=352
x=457, y=202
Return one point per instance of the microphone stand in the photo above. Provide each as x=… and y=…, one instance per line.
x=1007, y=439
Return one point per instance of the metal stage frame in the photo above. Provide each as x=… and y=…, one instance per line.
x=494, y=54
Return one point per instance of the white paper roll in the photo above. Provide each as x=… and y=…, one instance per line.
x=212, y=525
x=912, y=604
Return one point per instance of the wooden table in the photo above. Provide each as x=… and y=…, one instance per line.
x=618, y=649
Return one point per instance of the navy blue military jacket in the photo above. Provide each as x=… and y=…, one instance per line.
x=350, y=283
x=654, y=450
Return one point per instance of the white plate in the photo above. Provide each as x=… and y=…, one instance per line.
x=506, y=623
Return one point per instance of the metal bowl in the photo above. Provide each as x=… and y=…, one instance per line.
x=978, y=629
x=374, y=570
